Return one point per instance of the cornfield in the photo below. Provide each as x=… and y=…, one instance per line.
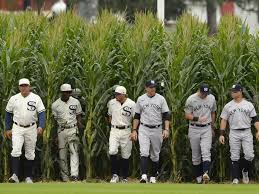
x=95, y=56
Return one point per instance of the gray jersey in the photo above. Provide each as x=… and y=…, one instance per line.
x=239, y=114
x=151, y=109
x=201, y=107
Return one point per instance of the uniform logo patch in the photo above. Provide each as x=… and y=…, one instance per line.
x=31, y=106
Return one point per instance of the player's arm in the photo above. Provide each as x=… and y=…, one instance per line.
x=213, y=120
x=79, y=121
x=255, y=121
x=223, y=125
x=166, y=117
x=8, y=124
x=136, y=121
x=42, y=122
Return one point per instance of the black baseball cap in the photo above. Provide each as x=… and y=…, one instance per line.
x=237, y=88
x=150, y=84
x=204, y=88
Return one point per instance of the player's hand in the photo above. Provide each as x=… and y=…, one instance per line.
x=257, y=135
x=39, y=131
x=134, y=135
x=165, y=134
x=222, y=139
x=8, y=134
x=213, y=133
x=202, y=119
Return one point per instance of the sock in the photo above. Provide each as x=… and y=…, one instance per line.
x=28, y=165
x=206, y=166
x=125, y=168
x=235, y=169
x=15, y=165
x=144, y=164
x=197, y=170
x=247, y=165
x=114, y=164
x=154, y=168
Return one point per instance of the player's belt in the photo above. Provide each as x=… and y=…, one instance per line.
x=150, y=126
x=200, y=125
x=24, y=126
x=120, y=126
x=67, y=126
x=241, y=129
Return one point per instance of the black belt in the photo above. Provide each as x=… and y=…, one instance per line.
x=199, y=125
x=120, y=126
x=24, y=126
x=68, y=126
x=241, y=129
x=150, y=126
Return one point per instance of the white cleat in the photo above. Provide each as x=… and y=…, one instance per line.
x=28, y=180
x=13, y=179
x=115, y=178
x=205, y=178
x=143, y=178
x=152, y=179
x=124, y=181
x=199, y=179
x=245, y=177
x=235, y=182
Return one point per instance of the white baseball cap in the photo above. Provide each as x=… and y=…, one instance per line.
x=120, y=90
x=24, y=81
x=65, y=88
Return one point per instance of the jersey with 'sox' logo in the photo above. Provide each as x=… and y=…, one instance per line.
x=25, y=109
x=65, y=112
x=239, y=114
x=122, y=114
x=151, y=109
x=200, y=107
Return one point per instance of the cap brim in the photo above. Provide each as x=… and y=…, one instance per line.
x=151, y=86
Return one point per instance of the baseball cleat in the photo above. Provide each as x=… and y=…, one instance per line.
x=235, y=181
x=205, y=178
x=13, y=179
x=115, y=178
x=143, y=178
x=199, y=179
x=245, y=177
x=124, y=181
x=152, y=179
x=28, y=180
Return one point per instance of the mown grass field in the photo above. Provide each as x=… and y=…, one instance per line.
x=95, y=188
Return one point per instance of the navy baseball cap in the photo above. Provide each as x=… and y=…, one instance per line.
x=204, y=88
x=150, y=84
x=237, y=88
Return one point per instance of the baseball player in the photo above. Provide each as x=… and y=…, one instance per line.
x=151, y=110
x=121, y=113
x=25, y=119
x=200, y=110
x=67, y=112
x=239, y=114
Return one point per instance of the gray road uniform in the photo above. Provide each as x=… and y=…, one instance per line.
x=65, y=114
x=150, y=129
x=239, y=117
x=200, y=134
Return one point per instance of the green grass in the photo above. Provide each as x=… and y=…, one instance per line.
x=94, y=188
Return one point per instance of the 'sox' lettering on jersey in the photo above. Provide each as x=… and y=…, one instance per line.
x=127, y=111
x=31, y=106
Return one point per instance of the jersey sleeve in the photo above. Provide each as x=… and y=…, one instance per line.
x=165, y=107
x=40, y=106
x=133, y=109
x=54, y=111
x=10, y=106
x=137, y=107
x=188, y=108
x=225, y=113
x=109, y=108
x=78, y=108
x=214, y=106
x=252, y=112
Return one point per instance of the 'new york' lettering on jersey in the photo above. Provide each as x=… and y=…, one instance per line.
x=239, y=115
x=25, y=110
x=122, y=114
x=151, y=109
x=65, y=112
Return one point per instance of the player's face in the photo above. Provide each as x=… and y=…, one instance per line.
x=119, y=97
x=203, y=95
x=65, y=96
x=25, y=89
x=151, y=91
x=236, y=94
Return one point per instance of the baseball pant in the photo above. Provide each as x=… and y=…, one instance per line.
x=150, y=142
x=238, y=138
x=200, y=140
x=120, y=138
x=24, y=136
x=68, y=140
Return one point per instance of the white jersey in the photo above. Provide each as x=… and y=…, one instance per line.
x=25, y=110
x=65, y=112
x=122, y=114
x=239, y=115
x=59, y=7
